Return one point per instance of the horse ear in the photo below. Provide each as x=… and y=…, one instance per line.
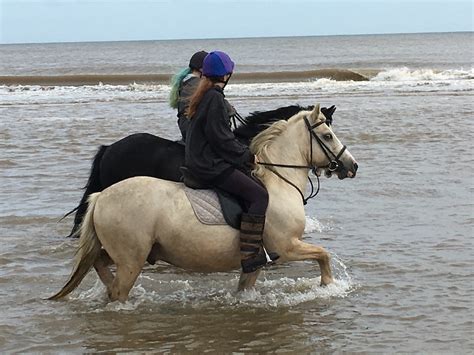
x=315, y=113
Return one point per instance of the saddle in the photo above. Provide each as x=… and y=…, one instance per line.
x=211, y=205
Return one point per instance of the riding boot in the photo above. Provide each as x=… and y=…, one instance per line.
x=252, y=252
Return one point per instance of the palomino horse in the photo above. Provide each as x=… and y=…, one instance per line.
x=143, y=154
x=125, y=220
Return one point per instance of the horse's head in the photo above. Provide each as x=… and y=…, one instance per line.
x=326, y=152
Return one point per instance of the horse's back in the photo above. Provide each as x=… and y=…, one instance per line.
x=141, y=154
x=143, y=194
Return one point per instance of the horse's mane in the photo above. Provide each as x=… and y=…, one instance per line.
x=258, y=121
x=262, y=141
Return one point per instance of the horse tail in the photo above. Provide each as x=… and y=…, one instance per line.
x=176, y=81
x=87, y=252
x=93, y=185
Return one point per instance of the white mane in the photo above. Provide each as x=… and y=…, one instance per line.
x=264, y=139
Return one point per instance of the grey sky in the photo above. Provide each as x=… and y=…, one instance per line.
x=27, y=21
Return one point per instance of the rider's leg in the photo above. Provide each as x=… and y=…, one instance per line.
x=252, y=251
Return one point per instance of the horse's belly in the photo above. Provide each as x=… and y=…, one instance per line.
x=204, y=250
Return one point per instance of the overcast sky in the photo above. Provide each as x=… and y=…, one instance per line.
x=36, y=21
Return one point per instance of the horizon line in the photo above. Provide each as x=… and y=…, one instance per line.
x=226, y=38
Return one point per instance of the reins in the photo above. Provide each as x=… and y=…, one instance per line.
x=237, y=117
x=333, y=165
x=312, y=193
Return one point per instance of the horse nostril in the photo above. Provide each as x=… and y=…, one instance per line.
x=356, y=166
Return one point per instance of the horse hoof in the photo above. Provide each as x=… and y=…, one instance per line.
x=326, y=281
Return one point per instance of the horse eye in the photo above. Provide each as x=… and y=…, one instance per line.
x=328, y=136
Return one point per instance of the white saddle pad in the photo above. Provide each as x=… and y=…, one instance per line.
x=206, y=206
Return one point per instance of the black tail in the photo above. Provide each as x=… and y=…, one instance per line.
x=93, y=185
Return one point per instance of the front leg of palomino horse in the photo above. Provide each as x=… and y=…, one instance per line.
x=304, y=251
x=247, y=280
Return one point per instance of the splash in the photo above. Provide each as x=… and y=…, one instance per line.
x=201, y=291
x=313, y=225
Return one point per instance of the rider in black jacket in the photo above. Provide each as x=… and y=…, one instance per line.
x=212, y=151
x=214, y=156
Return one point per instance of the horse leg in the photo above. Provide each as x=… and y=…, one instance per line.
x=125, y=277
x=304, y=251
x=247, y=280
x=129, y=263
x=101, y=266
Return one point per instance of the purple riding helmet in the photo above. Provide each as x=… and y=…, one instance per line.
x=217, y=64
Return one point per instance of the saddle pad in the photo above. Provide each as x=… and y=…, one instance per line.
x=206, y=206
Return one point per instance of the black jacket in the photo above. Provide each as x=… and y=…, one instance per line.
x=185, y=91
x=212, y=151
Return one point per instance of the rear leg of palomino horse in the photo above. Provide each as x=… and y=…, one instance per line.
x=125, y=278
x=101, y=266
x=129, y=265
x=247, y=281
x=305, y=251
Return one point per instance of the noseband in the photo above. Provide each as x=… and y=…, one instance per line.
x=334, y=164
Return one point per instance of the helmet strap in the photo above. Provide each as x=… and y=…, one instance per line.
x=219, y=79
x=226, y=81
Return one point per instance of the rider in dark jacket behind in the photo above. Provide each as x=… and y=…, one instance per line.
x=183, y=85
x=214, y=156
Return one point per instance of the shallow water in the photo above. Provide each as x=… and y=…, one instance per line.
x=400, y=234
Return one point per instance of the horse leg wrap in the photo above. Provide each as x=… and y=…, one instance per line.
x=252, y=254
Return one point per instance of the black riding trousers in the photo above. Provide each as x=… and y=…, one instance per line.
x=243, y=186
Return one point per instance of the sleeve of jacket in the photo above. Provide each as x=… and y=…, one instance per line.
x=220, y=136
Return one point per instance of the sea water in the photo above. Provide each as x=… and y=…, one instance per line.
x=400, y=233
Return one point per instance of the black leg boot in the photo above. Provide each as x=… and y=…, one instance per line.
x=252, y=254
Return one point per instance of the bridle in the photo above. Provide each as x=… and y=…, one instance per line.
x=334, y=165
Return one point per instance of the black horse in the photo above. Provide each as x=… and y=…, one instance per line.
x=143, y=154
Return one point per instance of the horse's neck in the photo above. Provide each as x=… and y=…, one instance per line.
x=286, y=214
x=289, y=150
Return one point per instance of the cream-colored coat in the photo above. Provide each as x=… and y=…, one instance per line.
x=126, y=219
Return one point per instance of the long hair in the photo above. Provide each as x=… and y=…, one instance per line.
x=176, y=81
x=204, y=84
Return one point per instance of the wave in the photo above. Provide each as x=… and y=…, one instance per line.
x=305, y=75
x=394, y=81
x=407, y=74
x=339, y=75
x=124, y=79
